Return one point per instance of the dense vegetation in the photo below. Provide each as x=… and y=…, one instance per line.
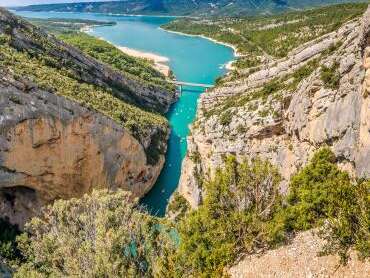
x=275, y=36
x=100, y=235
x=242, y=213
x=105, y=52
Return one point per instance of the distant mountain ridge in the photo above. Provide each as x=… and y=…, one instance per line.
x=184, y=7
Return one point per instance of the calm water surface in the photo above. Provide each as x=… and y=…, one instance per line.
x=192, y=59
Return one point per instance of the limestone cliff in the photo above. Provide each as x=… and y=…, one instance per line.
x=286, y=110
x=51, y=148
x=55, y=142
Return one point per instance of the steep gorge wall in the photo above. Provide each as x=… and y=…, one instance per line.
x=287, y=129
x=52, y=148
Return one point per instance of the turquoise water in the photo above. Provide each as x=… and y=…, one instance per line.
x=192, y=59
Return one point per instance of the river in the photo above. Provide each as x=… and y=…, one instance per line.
x=192, y=59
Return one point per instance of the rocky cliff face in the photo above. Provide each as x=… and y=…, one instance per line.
x=288, y=109
x=52, y=148
x=55, y=147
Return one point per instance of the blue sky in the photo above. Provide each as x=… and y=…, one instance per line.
x=13, y=3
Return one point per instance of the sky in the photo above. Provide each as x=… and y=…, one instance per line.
x=14, y=3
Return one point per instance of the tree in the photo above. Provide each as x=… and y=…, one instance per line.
x=232, y=219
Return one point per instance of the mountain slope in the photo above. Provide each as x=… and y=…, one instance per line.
x=184, y=7
x=69, y=123
x=286, y=108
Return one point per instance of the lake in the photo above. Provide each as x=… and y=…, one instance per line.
x=192, y=59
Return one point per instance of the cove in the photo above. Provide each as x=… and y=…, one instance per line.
x=192, y=59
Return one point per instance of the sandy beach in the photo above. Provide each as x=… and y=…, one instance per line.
x=160, y=62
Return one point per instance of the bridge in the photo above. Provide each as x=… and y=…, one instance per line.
x=199, y=85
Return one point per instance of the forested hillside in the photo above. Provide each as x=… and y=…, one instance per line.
x=261, y=39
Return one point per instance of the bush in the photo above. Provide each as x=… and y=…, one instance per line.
x=330, y=76
x=104, y=235
x=348, y=225
x=321, y=195
x=178, y=206
x=226, y=118
x=100, y=235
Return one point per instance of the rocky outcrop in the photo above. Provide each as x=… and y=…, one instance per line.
x=26, y=37
x=300, y=258
x=52, y=148
x=288, y=126
x=55, y=146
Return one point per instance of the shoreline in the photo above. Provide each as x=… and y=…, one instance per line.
x=160, y=63
x=229, y=66
x=233, y=47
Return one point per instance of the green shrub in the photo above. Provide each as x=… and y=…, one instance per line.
x=243, y=212
x=99, y=235
x=330, y=76
x=226, y=118
x=321, y=193
x=348, y=224
x=178, y=206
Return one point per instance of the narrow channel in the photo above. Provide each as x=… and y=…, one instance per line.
x=192, y=59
